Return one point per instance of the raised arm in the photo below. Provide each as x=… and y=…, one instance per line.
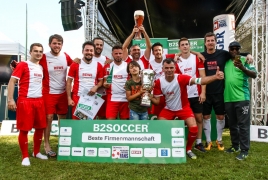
x=127, y=42
x=147, y=51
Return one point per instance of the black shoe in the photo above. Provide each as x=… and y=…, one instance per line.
x=200, y=147
x=243, y=155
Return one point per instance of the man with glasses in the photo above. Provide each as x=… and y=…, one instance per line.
x=237, y=100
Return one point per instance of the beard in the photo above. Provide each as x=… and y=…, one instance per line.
x=54, y=52
x=88, y=59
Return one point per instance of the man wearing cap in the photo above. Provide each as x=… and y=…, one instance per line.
x=237, y=100
x=215, y=90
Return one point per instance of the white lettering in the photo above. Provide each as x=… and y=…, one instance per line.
x=122, y=128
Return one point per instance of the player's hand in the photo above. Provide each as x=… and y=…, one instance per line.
x=141, y=28
x=108, y=61
x=202, y=98
x=71, y=102
x=219, y=74
x=12, y=105
x=135, y=30
x=93, y=90
x=106, y=85
x=238, y=64
x=249, y=59
x=77, y=60
x=177, y=57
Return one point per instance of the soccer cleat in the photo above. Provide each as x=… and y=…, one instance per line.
x=242, y=156
x=200, y=147
x=208, y=146
x=26, y=162
x=191, y=155
x=40, y=156
x=220, y=145
x=232, y=150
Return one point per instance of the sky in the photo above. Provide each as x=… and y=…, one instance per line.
x=44, y=19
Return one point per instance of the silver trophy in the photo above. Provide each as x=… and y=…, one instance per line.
x=147, y=80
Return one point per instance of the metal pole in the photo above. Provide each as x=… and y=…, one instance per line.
x=26, y=34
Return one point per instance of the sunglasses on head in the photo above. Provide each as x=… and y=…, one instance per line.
x=234, y=48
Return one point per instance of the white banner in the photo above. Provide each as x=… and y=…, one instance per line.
x=259, y=133
x=9, y=127
x=121, y=138
x=224, y=29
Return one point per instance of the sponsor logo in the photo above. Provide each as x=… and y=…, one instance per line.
x=178, y=152
x=58, y=67
x=65, y=131
x=104, y=152
x=64, y=151
x=118, y=76
x=150, y=152
x=86, y=75
x=163, y=152
x=91, y=152
x=77, y=151
x=120, y=152
x=65, y=141
x=136, y=152
x=177, y=132
x=37, y=75
x=177, y=142
x=220, y=24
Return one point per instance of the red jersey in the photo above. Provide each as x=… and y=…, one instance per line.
x=30, y=77
x=55, y=70
x=143, y=62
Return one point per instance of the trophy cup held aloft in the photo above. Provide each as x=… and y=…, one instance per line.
x=138, y=18
x=147, y=80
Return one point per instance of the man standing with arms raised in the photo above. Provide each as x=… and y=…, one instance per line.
x=116, y=94
x=30, y=105
x=135, y=50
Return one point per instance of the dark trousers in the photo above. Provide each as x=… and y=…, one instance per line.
x=239, y=123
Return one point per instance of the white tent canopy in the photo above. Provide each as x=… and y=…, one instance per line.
x=13, y=48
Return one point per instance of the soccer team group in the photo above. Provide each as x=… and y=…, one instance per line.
x=187, y=85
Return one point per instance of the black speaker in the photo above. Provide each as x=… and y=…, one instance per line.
x=71, y=14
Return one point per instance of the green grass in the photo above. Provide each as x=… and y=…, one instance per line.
x=209, y=165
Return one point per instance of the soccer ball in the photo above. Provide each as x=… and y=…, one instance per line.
x=115, y=154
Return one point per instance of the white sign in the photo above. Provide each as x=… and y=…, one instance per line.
x=136, y=152
x=224, y=29
x=138, y=138
x=77, y=151
x=178, y=152
x=177, y=142
x=104, y=152
x=259, y=133
x=65, y=141
x=9, y=127
x=64, y=151
x=150, y=152
x=88, y=106
x=92, y=152
x=177, y=132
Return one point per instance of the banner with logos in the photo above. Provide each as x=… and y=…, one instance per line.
x=122, y=141
x=142, y=45
x=9, y=127
x=196, y=45
x=224, y=29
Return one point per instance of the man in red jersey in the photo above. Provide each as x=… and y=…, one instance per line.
x=88, y=75
x=54, y=65
x=30, y=105
x=174, y=88
x=190, y=64
x=116, y=93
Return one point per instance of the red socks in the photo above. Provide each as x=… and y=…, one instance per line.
x=23, y=142
x=37, y=138
x=192, y=134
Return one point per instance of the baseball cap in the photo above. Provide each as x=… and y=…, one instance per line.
x=234, y=44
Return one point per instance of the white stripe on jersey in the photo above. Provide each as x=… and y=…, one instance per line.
x=57, y=70
x=30, y=81
x=188, y=66
x=173, y=93
x=120, y=76
x=157, y=67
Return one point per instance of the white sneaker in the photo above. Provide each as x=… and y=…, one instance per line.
x=40, y=156
x=26, y=162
